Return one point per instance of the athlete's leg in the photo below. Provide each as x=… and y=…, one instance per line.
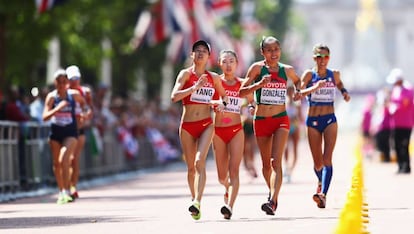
x=278, y=147
x=66, y=151
x=203, y=143
x=330, y=135
x=57, y=169
x=236, y=155
x=222, y=161
x=265, y=147
x=315, y=145
x=74, y=178
x=189, y=147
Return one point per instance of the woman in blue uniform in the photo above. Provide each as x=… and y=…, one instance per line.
x=322, y=127
x=60, y=110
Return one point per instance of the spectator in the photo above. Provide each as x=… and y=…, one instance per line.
x=383, y=131
x=402, y=114
x=37, y=106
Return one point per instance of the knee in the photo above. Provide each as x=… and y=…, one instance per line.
x=276, y=164
x=191, y=169
x=222, y=181
x=199, y=165
x=234, y=174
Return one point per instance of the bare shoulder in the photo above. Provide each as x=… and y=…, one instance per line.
x=87, y=89
x=335, y=72
x=256, y=65
x=73, y=92
x=307, y=72
x=306, y=75
x=287, y=66
x=214, y=74
x=241, y=80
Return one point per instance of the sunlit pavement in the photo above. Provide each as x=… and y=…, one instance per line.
x=156, y=201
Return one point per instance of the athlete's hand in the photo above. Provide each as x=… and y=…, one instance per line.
x=297, y=96
x=201, y=81
x=265, y=79
x=62, y=104
x=321, y=83
x=346, y=96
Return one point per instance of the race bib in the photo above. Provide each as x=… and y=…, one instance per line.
x=324, y=95
x=273, y=96
x=234, y=105
x=62, y=118
x=203, y=95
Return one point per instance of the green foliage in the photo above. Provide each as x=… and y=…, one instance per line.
x=81, y=26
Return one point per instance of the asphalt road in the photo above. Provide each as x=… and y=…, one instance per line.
x=156, y=201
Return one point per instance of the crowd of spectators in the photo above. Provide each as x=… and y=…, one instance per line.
x=129, y=119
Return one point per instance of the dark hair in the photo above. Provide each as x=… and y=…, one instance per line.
x=202, y=43
x=267, y=40
x=228, y=51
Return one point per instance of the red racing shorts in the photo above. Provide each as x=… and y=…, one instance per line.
x=196, y=128
x=227, y=133
x=266, y=126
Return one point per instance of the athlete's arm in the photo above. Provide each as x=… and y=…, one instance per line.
x=178, y=93
x=340, y=85
x=252, y=73
x=48, y=110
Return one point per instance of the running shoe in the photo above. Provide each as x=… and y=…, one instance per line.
x=226, y=211
x=63, y=199
x=269, y=207
x=195, y=210
x=320, y=200
x=74, y=195
x=68, y=198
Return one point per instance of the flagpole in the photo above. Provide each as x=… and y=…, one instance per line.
x=106, y=65
x=166, y=84
x=53, y=62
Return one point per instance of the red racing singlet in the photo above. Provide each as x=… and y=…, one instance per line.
x=232, y=92
x=202, y=96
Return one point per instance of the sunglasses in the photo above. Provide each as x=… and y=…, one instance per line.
x=321, y=56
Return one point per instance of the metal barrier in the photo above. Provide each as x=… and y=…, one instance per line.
x=26, y=160
x=9, y=174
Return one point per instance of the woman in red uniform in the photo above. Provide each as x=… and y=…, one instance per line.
x=198, y=89
x=74, y=77
x=229, y=136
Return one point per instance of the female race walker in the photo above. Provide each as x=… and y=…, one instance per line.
x=60, y=110
x=83, y=123
x=198, y=90
x=271, y=122
x=322, y=127
x=229, y=135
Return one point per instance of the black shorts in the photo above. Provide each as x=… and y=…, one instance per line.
x=60, y=133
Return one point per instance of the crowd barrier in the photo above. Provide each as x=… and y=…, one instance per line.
x=26, y=160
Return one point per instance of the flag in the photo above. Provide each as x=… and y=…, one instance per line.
x=175, y=48
x=44, y=5
x=179, y=16
x=161, y=26
x=141, y=29
x=220, y=8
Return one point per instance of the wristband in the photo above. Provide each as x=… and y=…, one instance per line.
x=251, y=106
x=224, y=103
x=343, y=90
